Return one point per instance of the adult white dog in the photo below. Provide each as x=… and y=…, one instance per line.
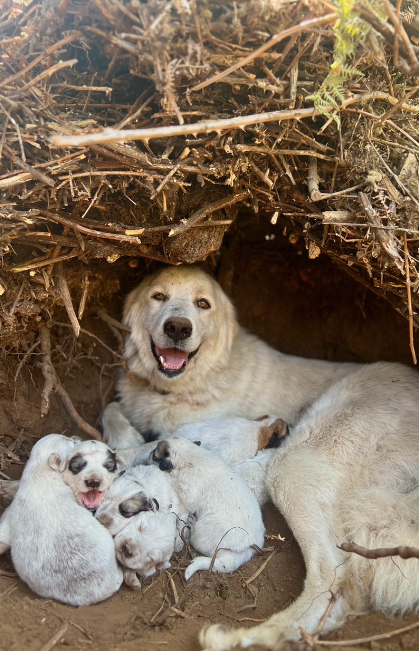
x=192, y=362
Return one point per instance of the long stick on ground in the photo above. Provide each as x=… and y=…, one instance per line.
x=364, y=640
x=380, y=552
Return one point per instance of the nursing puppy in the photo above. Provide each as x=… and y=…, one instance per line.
x=145, y=545
x=191, y=361
x=57, y=547
x=236, y=439
x=138, y=490
x=225, y=509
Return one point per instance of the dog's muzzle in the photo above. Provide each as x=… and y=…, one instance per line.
x=171, y=362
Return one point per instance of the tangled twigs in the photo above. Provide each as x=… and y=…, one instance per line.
x=206, y=210
x=65, y=295
x=25, y=358
x=52, y=383
x=409, y=301
x=381, y=552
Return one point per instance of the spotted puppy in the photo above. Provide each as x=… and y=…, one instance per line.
x=228, y=517
x=140, y=489
x=57, y=547
x=237, y=439
x=146, y=544
x=89, y=471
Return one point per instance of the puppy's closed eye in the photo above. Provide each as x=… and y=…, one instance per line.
x=77, y=463
x=136, y=504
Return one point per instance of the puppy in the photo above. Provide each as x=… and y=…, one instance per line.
x=228, y=517
x=57, y=547
x=138, y=490
x=89, y=471
x=254, y=473
x=146, y=545
x=236, y=439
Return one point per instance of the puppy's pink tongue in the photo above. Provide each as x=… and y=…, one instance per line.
x=92, y=499
x=172, y=357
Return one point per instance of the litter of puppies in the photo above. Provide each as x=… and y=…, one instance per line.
x=138, y=516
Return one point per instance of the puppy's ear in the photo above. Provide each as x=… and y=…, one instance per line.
x=272, y=436
x=136, y=504
x=157, y=505
x=166, y=464
x=197, y=442
x=55, y=462
x=76, y=439
x=120, y=461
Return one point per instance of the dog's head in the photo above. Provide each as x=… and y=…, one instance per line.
x=145, y=542
x=125, y=499
x=173, y=453
x=89, y=469
x=182, y=324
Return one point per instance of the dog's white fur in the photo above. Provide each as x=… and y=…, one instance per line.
x=348, y=472
x=57, y=547
x=146, y=544
x=118, y=434
x=141, y=489
x=226, y=512
x=233, y=373
x=254, y=473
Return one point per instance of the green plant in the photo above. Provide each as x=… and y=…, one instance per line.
x=349, y=31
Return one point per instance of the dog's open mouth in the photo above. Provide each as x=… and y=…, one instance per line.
x=91, y=499
x=171, y=361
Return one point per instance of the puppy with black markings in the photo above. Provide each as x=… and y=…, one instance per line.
x=237, y=439
x=57, y=547
x=228, y=517
x=145, y=545
x=138, y=490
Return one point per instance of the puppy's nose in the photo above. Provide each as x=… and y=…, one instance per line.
x=92, y=483
x=126, y=551
x=177, y=328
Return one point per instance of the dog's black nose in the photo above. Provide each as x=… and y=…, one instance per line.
x=177, y=328
x=92, y=483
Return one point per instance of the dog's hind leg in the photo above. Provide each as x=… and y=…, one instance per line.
x=304, y=490
x=225, y=562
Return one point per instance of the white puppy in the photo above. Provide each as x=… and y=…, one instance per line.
x=254, y=473
x=140, y=489
x=146, y=545
x=227, y=515
x=57, y=547
x=236, y=439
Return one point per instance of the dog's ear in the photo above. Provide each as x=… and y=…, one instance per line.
x=55, y=462
x=136, y=504
x=197, y=442
x=157, y=505
x=272, y=434
x=166, y=464
x=76, y=439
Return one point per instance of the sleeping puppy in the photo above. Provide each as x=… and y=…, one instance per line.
x=236, y=439
x=57, y=547
x=140, y=489
x=228, y=517
x=146, y=545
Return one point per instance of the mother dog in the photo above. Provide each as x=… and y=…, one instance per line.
x=348, y=471
x=192, y=362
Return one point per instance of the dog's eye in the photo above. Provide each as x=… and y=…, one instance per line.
x=203, y=304
x=159, y=296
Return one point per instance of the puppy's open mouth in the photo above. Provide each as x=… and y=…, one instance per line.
x=91, y=499
x=171, y=361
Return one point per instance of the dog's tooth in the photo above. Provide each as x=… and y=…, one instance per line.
x=161, y=358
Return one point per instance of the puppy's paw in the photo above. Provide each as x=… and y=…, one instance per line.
x=131, y=579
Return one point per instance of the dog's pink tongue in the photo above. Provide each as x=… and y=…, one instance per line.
x=92, y=499
x=172, y=357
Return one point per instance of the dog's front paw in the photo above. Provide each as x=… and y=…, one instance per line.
x=131, y=579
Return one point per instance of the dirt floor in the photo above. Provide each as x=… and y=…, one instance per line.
x=302, y=306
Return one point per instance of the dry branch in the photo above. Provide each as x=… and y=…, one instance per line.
x=206, y=210
x=381, y=552
x=66, y=297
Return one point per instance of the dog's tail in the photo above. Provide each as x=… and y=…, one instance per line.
x=225, y=562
